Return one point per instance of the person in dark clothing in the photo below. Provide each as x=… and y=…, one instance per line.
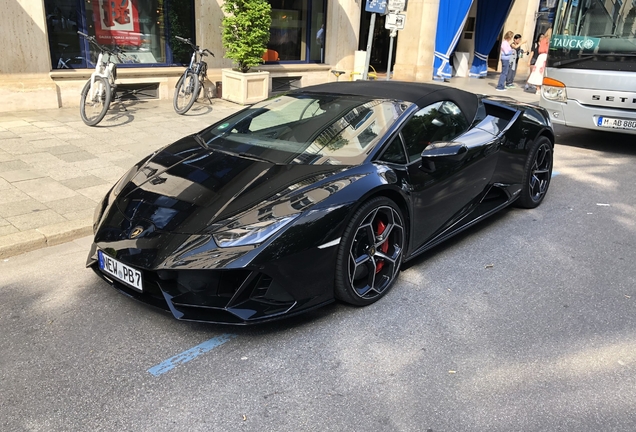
x=514, y=60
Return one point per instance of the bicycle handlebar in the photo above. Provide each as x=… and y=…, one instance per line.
x=114, y=51
x=194, y=47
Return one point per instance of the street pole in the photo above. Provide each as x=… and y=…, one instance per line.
x=365, y=72
x=392, y=36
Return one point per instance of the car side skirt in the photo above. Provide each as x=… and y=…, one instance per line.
x=481, y=211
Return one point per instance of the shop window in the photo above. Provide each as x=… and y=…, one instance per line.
x=298, y=30
x=62, y=21
x=139, y=27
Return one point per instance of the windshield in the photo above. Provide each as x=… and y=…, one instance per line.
x=594, y=34
x=307, y=128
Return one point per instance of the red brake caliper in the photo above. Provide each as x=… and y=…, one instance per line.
x=384, y=247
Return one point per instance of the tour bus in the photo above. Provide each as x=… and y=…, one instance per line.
x=590, y=76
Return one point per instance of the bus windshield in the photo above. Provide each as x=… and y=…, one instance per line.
x=594, y=34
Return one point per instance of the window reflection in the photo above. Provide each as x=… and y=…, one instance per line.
x=308, y=128
x=297, y=32
x=441, y=121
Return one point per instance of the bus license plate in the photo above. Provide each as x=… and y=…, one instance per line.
x=615, y=123
x=120, y=271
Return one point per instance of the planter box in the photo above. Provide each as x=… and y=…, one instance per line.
x=245, y=88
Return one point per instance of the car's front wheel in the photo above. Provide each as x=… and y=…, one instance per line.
x=537, y=174
x=370, y=252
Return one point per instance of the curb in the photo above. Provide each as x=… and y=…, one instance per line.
x=50, y=235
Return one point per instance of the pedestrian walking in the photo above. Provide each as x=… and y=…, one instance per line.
x=517, y=53
x=506, y=54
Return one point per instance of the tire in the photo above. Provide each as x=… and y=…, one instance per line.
x=93, y=107
x=536, y=174
x=186, y=92
x=370, y=253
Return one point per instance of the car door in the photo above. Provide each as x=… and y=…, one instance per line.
x=449, y=167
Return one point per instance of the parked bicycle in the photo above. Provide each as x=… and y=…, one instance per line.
x=193, y=79
x=100, y=88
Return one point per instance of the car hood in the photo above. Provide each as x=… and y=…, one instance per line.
x=185, y=188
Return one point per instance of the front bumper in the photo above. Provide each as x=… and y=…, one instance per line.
x=574, y=114
x=230, y=295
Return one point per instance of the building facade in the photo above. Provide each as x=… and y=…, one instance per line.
x=46, y=62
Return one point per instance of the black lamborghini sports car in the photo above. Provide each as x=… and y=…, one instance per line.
x=315, y=195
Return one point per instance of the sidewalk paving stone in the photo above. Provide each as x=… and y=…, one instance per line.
x=35, y=220
x=54, y=169
x=18, y=208
x=20, y=175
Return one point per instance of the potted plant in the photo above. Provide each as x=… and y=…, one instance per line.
x=245, y=35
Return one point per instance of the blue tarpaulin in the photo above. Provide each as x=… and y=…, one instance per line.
x=491, y=15
x=450, y=23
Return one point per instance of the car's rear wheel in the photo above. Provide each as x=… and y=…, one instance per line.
x=370, y=252
x=537, y=174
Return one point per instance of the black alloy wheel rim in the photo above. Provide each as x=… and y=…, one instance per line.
x=540, y=172
x=376, y=252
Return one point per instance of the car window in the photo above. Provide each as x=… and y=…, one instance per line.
x=312, y=128
x=441, y=121
x=394, y=153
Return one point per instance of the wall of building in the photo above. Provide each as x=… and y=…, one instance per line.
x=342, y=33
x=209, y=17
x=26, y=79
x=23, y=37
x=416, y=44
x=25, y=61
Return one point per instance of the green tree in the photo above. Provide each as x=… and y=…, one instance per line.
x=246, y=31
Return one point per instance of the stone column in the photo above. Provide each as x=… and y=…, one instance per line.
x=25, y=62
x=416, y=43
x=23, y=37
x=342, y=33
x=209, y=17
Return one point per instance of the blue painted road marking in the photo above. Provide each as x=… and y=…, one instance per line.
x=190, y=354
x=555, y=173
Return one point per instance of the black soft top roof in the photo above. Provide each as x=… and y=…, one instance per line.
x=420, y=94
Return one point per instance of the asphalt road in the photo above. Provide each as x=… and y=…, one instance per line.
x=526, y=322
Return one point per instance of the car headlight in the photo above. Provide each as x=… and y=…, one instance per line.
x=554, y=90
x=252, y=234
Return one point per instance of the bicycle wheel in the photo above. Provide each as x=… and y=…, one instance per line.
x=186, y=92
x=95, y=103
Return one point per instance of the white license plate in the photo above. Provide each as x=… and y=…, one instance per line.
x=615, y=123
x=120, y=271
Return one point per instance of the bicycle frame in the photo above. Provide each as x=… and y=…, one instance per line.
x=192, y=82
x=103, y=69
x=193, y=60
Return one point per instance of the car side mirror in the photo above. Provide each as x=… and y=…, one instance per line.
x=442, y=150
